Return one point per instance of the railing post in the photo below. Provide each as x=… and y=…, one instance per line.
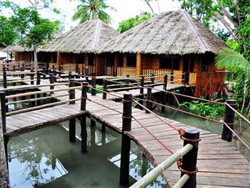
x=14, y=68
x=76, y=68
x=70, y=75
x=172, y=77
x=229, y=120
x=125, y=150
x=3, y=109
x=165, y=85
x=152, y=78
x=4, y=77
x=72, y=130
x=51, y=80
x=31, y=77
x=87, y=74
x=84, y=95
x=127, y=80
x=105, y=87
x=142, y=84
x=149, y=97
x=189, y=161
x=22, y=69
x=184, y=78
x=164, y=97
x=38, y=75
x=44, y=73
x=72, y=91
x=93, y=83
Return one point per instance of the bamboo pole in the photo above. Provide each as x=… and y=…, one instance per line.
x=181, y=181
x=153, y=174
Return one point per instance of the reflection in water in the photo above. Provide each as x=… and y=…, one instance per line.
x=45, y=158
x=32, y=164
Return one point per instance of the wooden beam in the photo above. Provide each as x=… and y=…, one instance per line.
x=138, y=64
x=58, y=61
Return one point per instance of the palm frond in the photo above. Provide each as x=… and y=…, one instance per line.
x=232, y=61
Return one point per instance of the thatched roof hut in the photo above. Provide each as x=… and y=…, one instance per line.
x=173, y=32
x=85, y=38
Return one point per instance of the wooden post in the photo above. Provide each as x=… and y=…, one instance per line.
x=229, y=120
x=72, y=91
x=93, y=83
x=77, y=69
x=105, y=86
x=3, y=110
x=103, y=127
x=152, y=78
x=32, y=77
x=4, y=77
x=149, y=97
x=127, y=80
x=22, y=69
x=44, y=73
x=84, y=95
x=141, y=96
x=172, y=77
x=14, y=68
x=138, y=64
x=165, y=82
x=70, y=75
x=84, y=134
x=72, y=130
x=189, y=160
x=125, y=151
x=142, y=84
x=92, y=122
x=52, y=81
x=184, y=78
x=38, y=75
x=164, y=97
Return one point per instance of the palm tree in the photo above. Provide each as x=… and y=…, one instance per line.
x=92, y=9
x=235, y=62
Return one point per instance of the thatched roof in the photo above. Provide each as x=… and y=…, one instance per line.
x=174, y=32
x=84, y=38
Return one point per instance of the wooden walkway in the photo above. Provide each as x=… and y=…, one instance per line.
x=220, y=163
x=136, y=92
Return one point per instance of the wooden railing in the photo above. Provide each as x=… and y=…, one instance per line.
x=192, y=78
x=110, y=71
x=159, y=74
x=123, y=71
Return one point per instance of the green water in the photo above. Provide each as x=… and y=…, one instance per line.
x=45, y=158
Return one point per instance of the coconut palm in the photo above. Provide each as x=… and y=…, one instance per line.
x=235, y=62
x=92, y=9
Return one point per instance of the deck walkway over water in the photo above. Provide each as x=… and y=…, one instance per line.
x=220, y=164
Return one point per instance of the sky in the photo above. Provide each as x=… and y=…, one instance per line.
x=125, y=9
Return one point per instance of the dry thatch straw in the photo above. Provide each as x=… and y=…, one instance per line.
x=173, y=32
x=85, y=38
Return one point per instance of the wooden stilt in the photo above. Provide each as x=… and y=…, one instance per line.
x=84, y=134
x=125, y=151
x=72, y=130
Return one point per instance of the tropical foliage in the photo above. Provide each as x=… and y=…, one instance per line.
x=92, y=9
x=131, y=22
x=207, y=110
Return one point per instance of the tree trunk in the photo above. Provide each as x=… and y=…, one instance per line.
x=35, y=57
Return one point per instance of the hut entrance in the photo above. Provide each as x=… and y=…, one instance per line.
x=188, y=67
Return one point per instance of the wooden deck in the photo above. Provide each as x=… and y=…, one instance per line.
x=220, y=164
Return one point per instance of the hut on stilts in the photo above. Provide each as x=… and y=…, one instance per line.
x=170, y=43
